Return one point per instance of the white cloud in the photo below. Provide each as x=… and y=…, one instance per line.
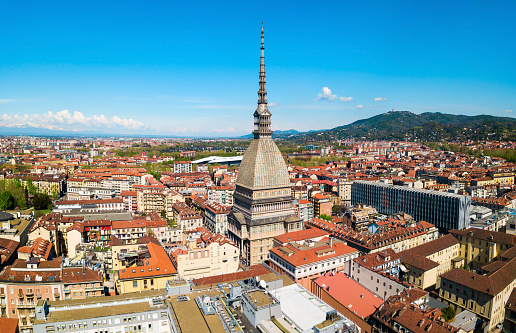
x=508, y=111
x=346, y=99
x=6, y=100
x=273, y=104
x=360, y=106
x=224, y=130
x=380, y=99
x=65, y=120
x=326, y=95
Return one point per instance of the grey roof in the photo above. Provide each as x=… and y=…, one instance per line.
x=466, y=320
x=5, y=216
x=263, y=166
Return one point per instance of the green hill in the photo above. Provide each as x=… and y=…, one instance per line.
x=429, y=126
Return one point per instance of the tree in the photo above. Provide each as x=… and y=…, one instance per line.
x=30, y=186
x=325, y=217
x=6, y=200
x=42, y=201
x=163, y=214
x=448, y=313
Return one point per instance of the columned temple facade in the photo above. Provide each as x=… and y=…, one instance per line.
x=263, y=204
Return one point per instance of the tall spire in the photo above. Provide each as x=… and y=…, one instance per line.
x=262, y=93
x=262, y=116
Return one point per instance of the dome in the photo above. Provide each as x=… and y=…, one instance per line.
x=263, y=166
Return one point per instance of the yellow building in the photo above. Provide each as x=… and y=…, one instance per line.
x=484, y=295
x=479, y=247
x=150, y=273
x=424, y=263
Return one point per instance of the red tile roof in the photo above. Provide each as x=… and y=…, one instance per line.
x=158, y=264
x=296, y=236
x=350, y=294
x=253, y=271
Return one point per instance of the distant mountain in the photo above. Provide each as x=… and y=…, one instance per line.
x=45, y=132
x=275, y=134
x=428, y=126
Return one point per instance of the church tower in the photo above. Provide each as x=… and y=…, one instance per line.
x=263, y=204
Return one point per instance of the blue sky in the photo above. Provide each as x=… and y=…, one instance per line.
x=191, y=68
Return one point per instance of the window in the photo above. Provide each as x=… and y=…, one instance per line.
x=135, y=284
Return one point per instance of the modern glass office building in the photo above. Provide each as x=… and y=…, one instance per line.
x=445, y=210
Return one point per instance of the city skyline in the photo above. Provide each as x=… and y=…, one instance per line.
x=149, y=70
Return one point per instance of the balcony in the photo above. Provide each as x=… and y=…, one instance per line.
x=101, y=288
x=26, y=306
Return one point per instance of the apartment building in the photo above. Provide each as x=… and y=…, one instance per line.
x=484, y=295
x=304, y=261
x=23, y=283
x=377, y=272
x=400, y=236
x=222, y=195
x=129, y=231
x=85, y=193
x=216, y=217
x=212, y=254
x=80, y=283
x=150, y=198
x=189, y=220
x=426, y=262
x=130, y=199
x=410, y=312
x=359, y=217
x=136, y=312
x=164, y=233
x=445, y=210
x=479, y=247
x=88, y=206
x=182, y=167
x=312, y=235
x=322, y=204
x=97, y=232
x=348, y=297
x=344, y=191
x=151, y=272
x=53, y=185
x=305, y=210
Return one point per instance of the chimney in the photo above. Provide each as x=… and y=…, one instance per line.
x=331, y=241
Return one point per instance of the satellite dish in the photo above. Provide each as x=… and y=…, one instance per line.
x=263, y=284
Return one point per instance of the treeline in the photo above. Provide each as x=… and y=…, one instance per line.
x=508, y=154
x=13, y=195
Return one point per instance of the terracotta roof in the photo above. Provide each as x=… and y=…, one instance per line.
x=129, y=224
x=417, y=256
x=418, y=261
x=253, y=271
x=350, y=294
x=76, y=275
x=158, y=264
x=491, y=284
x=296, y=236
x=7, y=249
x=9, y=325
x=303, y=255
x=379, y=258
